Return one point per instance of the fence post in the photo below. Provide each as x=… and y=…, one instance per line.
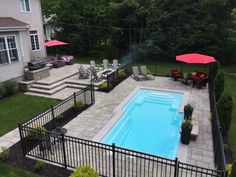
x=63, y=148
x=53, y=117
x=176, y=167
x=21, y=138
x=113, y=160
x=75, y=102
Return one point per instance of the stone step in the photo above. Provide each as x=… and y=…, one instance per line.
x=48, y=92
x=43, y=82
x=47, y=87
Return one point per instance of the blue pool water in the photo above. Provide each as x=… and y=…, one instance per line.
x=150, y=123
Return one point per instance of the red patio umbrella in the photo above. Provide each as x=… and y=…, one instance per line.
x=195, y=58
x=54, y=43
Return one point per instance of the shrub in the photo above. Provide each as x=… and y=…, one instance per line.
x=219, y=84
x=85, y=171
x=229, y=168
x=225, y=108
x=233, y=170
x=188, y=111
x=4, y=154
x=60, y=117
x=33, y=133
x=103, y=86
x=10, y=87
x=38, y=166
x=79, y=105
x=214, y=69
x=2, y=91
x=122, y=75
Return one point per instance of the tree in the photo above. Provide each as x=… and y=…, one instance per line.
x=219, y=84
x=225, y=108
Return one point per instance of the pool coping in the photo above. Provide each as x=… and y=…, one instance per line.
x=118, y=112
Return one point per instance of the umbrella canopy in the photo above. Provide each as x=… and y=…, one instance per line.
x=195, y=58
x=54, y=43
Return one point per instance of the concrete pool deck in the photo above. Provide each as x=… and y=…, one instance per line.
x=90, y=122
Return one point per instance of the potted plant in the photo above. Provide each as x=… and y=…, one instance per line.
x=188, y=111
x=186, y=129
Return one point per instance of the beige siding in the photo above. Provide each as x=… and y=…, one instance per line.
x=11, y=8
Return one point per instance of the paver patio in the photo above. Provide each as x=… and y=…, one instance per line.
x=89, y=123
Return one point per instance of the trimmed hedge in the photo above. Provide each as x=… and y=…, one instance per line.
x=8, y=88
x=225, y=109
x=214, y=68
x=219, y=84
x=233, y=170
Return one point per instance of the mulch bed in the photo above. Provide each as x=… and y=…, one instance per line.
x=18, y=160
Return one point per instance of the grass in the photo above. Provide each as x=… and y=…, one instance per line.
x=9, y=171
x=19, y=108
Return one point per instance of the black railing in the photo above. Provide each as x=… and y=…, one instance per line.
x=64, y=111
x=219, y=154
x=107, y=160
x=116, y=77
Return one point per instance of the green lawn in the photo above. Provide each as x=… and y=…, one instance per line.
x=19, y=108
x=9, y=171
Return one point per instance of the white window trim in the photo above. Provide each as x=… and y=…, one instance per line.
x=21, y=10
x=7, y=48
x=34, y=41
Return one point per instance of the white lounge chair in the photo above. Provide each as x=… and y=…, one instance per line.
x=115, y=64
x=93, y=65
x=136, y=75
x=105, y=64
x=144, y=72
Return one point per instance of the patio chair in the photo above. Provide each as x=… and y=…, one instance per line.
x=144, y=72
x=105, y=64
x=96, y=77
x=93, y=65
x=176, y=74
x=136, y=75
x=83, y=73
x=115, y=64
x=200, y=83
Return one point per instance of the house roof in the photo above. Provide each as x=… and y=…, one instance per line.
x=11, y=23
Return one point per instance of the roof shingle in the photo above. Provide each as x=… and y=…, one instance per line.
x=9, y=22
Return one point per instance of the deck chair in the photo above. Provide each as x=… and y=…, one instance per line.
x=144, y=72
x=105, y=64
x=115, y=64
x=95, y=76
x=136, y=75
x=93, y=65
x=83, y=73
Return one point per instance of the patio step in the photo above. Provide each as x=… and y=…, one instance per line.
x=47, y=87
x=47, y=92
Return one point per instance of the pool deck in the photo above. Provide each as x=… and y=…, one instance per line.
x=90, y=122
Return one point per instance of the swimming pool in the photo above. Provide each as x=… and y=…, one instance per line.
x=150, y=123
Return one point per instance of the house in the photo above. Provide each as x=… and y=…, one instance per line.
x=21, y=36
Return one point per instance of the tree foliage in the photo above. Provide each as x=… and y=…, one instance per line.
x=225, y=108
x=219, y=84
x=173, y=26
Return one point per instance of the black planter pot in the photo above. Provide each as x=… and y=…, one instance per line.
x=185, y=135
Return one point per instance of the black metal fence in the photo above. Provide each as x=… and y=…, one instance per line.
x=219, y=154
x=63, y=111
x=117, y=76
x=107, y=160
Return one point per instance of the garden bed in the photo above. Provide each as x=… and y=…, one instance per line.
x=17, y=159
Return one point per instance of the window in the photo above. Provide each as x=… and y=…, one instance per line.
x=8, y=50
x=34, y=40
x=25, y=5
